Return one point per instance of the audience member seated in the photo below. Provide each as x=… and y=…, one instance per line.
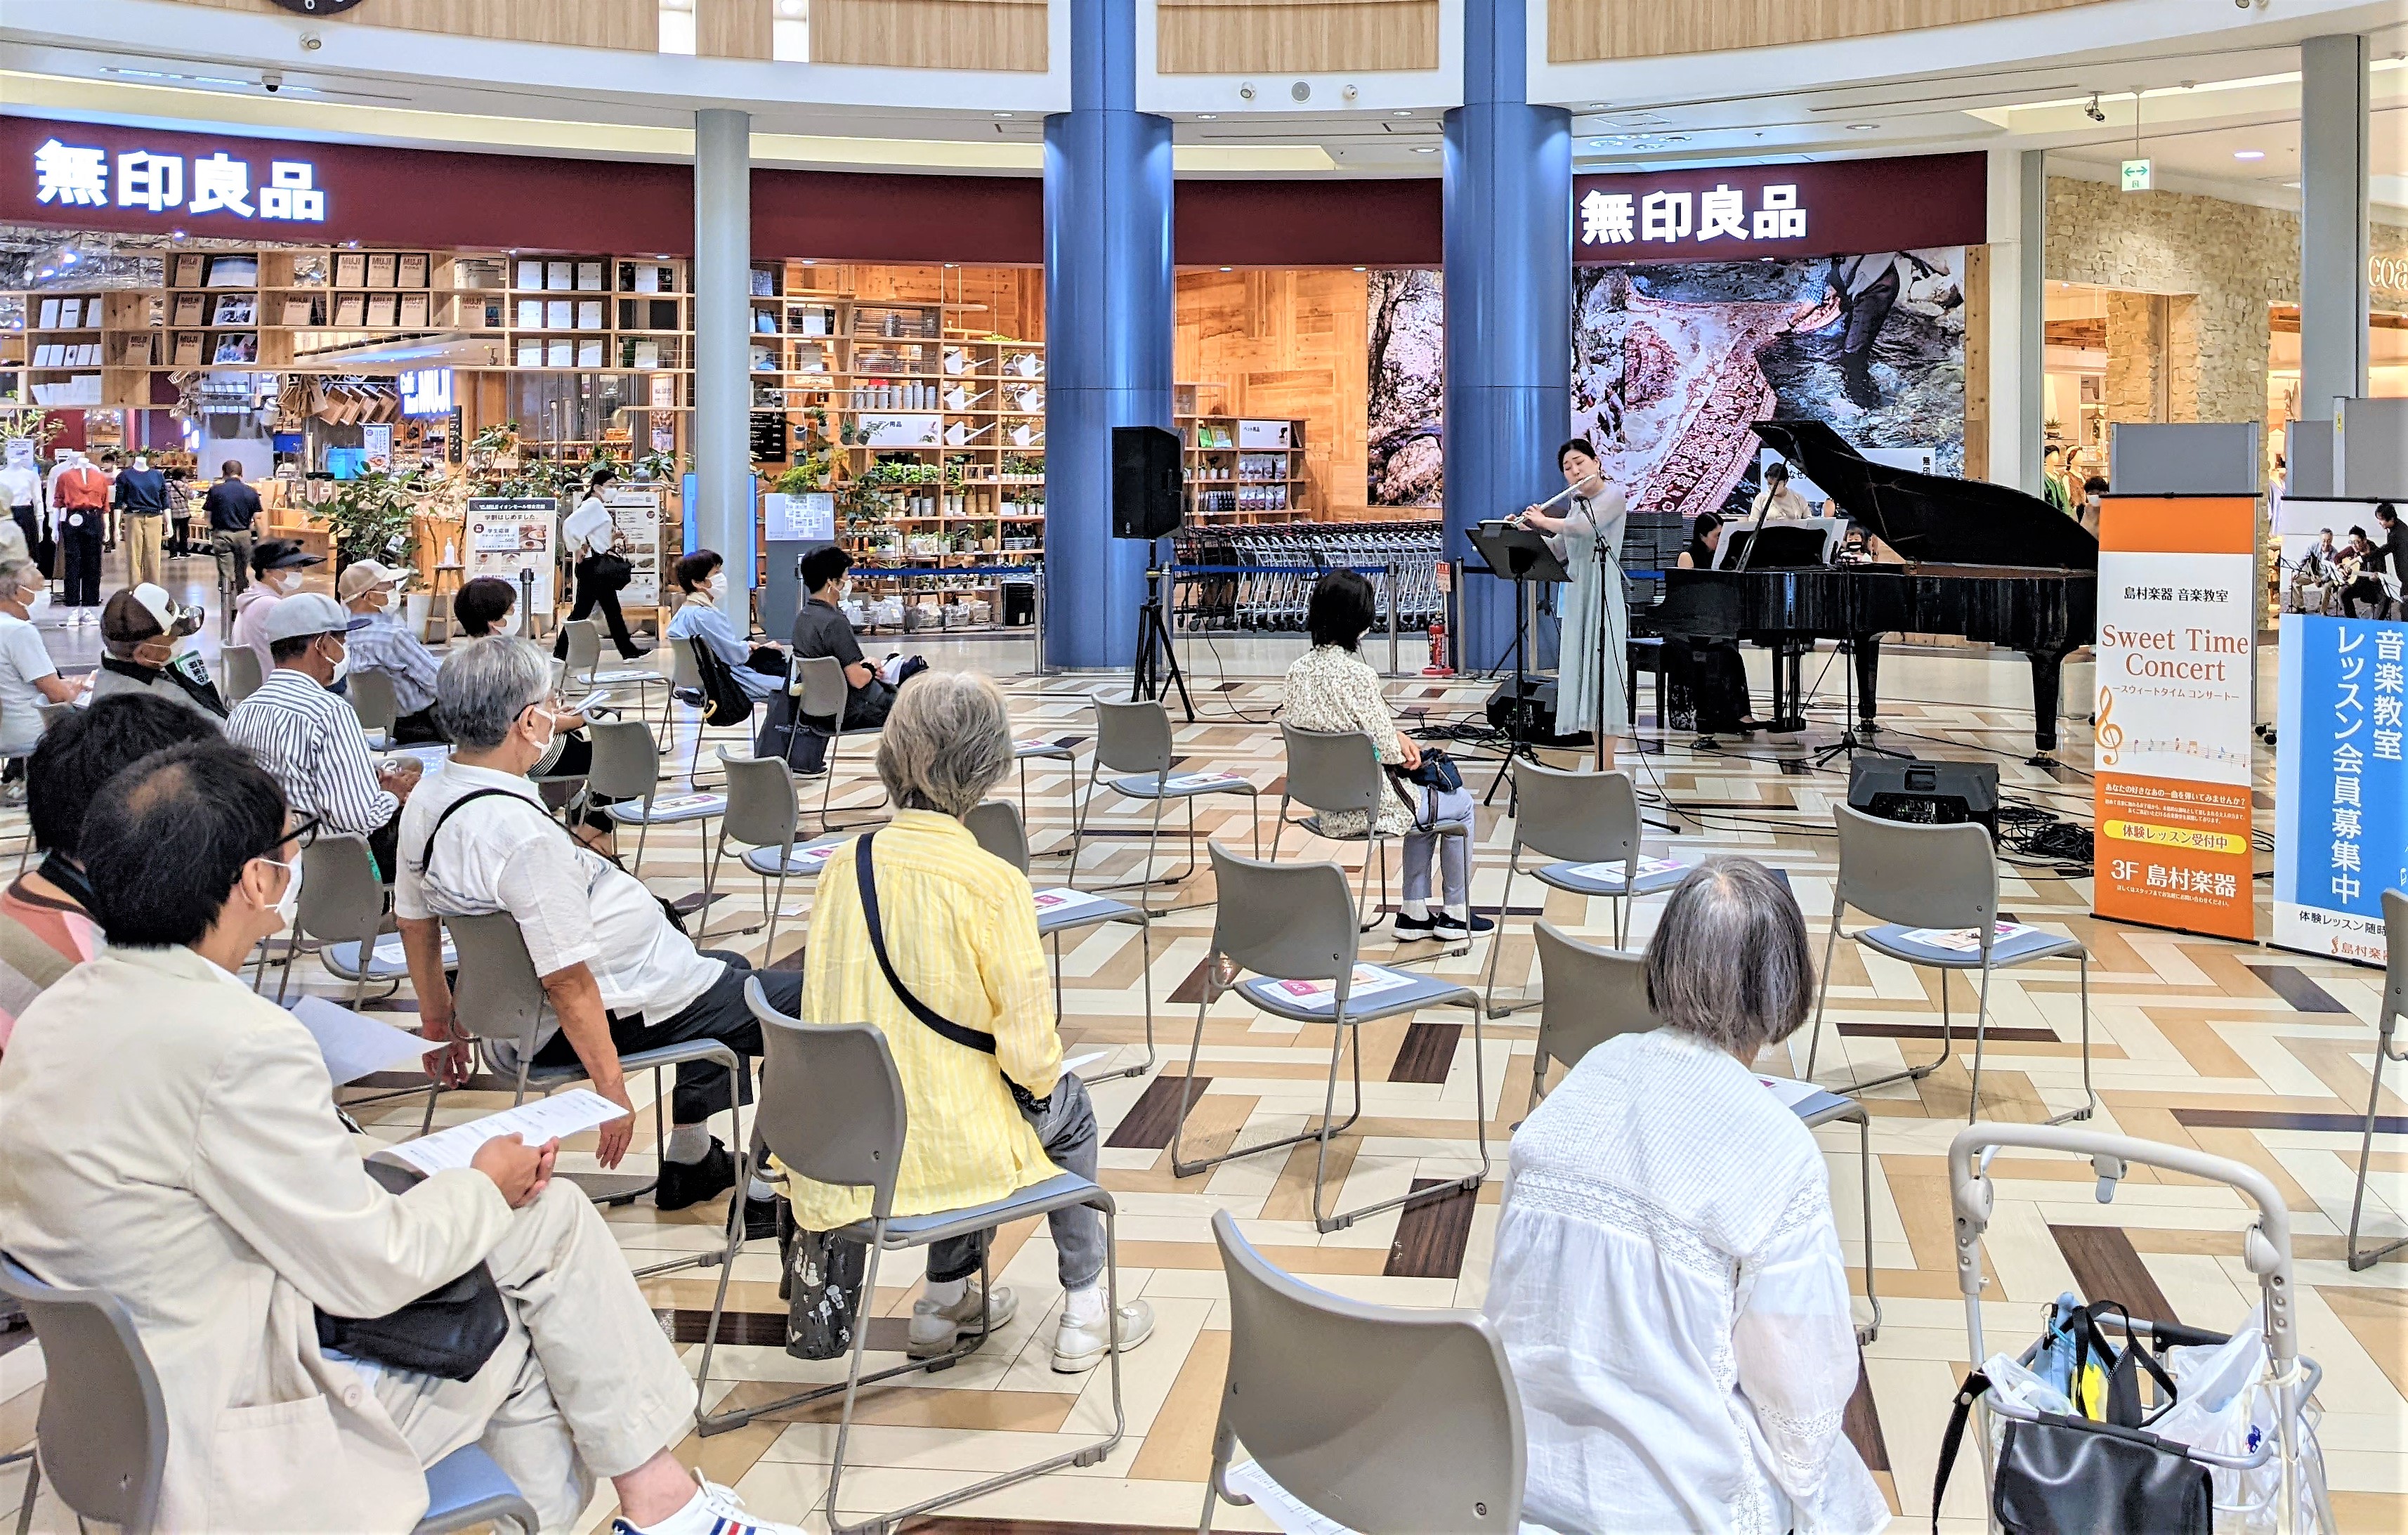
x=476, y=838
x=310, y=739
x=46, y=925
x=488, y=606
x=144, y=641
x=277, y=565
x=960, y=926
x=1331, y=687
x=166, y=1137
x=28, y=677
x=386, y=644
x=760, y=670
x=1668, y=1279
x=821, y=629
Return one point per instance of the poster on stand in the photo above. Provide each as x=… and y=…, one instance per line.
x=2340, y=788
x=2177, y=595
x=507, y=535
x=636, y=515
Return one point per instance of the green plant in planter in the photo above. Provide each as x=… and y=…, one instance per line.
x=38, y=426
x=658, y=468
x=370, y=517
x=495, y=439
x=811, y=473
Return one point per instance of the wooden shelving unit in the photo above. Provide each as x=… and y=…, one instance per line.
x=1243, y=469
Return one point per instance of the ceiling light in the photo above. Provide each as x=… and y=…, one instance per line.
x=1863, y=127
x=1005, y=114
x=1362, y=269
x=1208, y=117
x=1596, y=143
x=1597, y=107
x=1425, y=149
x=2249, y=154
x=1229, y=268
x=1401, y=112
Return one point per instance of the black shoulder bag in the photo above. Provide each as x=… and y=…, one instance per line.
x=450, y=1331
x=725, y=701
x=1030, y=1104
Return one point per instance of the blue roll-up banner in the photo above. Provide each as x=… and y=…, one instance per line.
x=2341, y=786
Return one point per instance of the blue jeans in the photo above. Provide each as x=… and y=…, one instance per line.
x=1453, y=807
x=1067, y=1126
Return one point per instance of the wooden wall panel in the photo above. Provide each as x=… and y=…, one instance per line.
x=930, y=34
x=1006, y=301
x=1291, y=344
x=1314, y=37
x=1977, y=361
x=583, y=23
x=1580, y=30
x=733, y=29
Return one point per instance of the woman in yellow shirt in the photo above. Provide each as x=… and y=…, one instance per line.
x=960, y=928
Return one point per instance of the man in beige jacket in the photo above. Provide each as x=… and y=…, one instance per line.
x=169, y=1138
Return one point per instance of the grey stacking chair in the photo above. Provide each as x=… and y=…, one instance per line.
x=1331, y=770
x=761, y=816
x=582, y=667
x=1398, y=1420
x=1907, y=877
x=2395, y=1007
x=499, y=1001
x=685, y=676
x=1296, y=922
x=1133, y=740
x=374, y=702
x=343, y=905
x=243, y=673
x=103, y=1428
x=998, y=827
x=1578, y=821
x=833, y=1110
x=627, y=768
x=820, y=692
x=1022, y=751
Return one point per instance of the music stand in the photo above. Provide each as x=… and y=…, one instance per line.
x=1521, y=555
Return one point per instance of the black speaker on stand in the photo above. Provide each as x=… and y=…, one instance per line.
x=1148, y=495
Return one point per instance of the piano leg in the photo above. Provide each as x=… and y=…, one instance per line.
x=2047, y=677
x=1788, y=686
x=1868, y=649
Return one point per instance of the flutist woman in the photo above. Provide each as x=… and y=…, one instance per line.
x=1586, y=691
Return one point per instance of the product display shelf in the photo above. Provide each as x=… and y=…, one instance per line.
x=1243, y=469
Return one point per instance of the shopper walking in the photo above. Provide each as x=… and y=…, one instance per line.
x=79, y=496
x=232, y=509
x=588, y=533
x=142, y=496
x=179, y=513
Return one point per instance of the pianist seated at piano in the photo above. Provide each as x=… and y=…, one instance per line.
x=1711, y=670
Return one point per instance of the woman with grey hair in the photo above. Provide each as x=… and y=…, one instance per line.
x=958, y=926
x=1668, y=1279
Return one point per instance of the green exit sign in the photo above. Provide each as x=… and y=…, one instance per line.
x=2136, y=176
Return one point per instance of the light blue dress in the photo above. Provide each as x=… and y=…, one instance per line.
x=1594, y=601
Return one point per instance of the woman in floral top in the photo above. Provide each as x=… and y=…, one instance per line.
x=1331, y=687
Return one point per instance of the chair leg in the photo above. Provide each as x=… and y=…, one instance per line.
x=1496, y=947
x=1254, y=815
x=1823, y=988
x=2089, y=1094
x=852, y=1370
x=1079, y=825
x=1339, y=1221
x=1182, y=1169
x=769, y=945
x=643, y=831
x=1329, y=1108
x=32, y=1491
x=1865, y=1176
x=1981, y=1033
x=2367, y=1258
x=1279, y=827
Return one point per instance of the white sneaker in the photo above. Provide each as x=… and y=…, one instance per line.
x=712, y=1511
x=935, y=1329
x=1080, y=1349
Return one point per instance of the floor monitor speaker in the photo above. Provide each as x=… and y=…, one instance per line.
x=1925, y=793
x=1147, y=487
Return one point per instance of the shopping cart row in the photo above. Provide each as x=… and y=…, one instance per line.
x=1261, y=576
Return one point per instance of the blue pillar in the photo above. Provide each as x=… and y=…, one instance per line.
x=1509, y=303
x=1109, y=302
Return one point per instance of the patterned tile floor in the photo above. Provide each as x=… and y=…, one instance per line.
x=2241, y=1050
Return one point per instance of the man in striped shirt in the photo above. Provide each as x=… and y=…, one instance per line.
x=309, y=740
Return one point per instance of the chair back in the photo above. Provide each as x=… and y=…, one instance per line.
x=1389, y=1418
x=2395, y=948
x=1292, y=920
x=102, y=1427
x=1582, y=818
x=832, y=1106
x=341, y=898
x=243, y=673
x=1133, y=738
x=583, y=650
x=498, y=995
x=1928, y=876
x=52, y=714
x=1590, y=995
x=684, y=670
x=996, y=823
x=1332, y=769
x=819, y=687
x=373, y=698
x=761, y=809
x=626, y=765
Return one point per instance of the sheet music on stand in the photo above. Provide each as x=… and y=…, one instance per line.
x=1517, y=553
x=1782, y=544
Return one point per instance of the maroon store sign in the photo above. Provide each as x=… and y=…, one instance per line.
x=1753, y=212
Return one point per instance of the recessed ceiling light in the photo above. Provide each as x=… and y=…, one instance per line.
x=1005, y=114
x=2249, y=154
x=1402, y=111
x=1229, y=268
x=1425, y=149
x=1597, y=107
x=1596, y=143
x=1208, y=117
x=1362, y=269
x=1863, y=127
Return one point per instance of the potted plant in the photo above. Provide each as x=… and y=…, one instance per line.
x=372, y=518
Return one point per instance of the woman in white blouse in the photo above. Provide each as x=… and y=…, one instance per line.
x=1668, y=1279
x=587, y=534
x=1331, y=687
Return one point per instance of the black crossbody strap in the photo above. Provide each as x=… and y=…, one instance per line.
x=426, y=856
x=868, y=881
x=1954, y=1438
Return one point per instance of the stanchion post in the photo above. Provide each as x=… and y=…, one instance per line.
x=1391, y=588
x=1037, y=622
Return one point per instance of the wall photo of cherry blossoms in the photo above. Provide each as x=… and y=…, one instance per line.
x=1407, y=391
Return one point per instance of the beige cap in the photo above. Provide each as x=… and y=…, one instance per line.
x=360, y=575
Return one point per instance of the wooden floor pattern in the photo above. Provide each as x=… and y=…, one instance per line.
x=2239, y=1050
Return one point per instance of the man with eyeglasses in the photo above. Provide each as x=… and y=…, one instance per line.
x=168, y=1138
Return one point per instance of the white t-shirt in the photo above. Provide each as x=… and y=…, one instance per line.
x=588, y=529
x=23, y=659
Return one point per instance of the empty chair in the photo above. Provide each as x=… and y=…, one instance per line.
x=582, y=667
x=1334, y=771
x=1037, y=747
x=243, y=673
x=1588, y=995
x=102, y=1433
x=1133, y=740
x=819, y=691
x=761, y=816
x=998, y=827
x=626, y=769
x=374, y=702
x=342, y=901
x=833, y=1110
x=1581, y=822
x=1394, y=1420
x=2395, y=1007
x=1293, y=925
x=1934, y=880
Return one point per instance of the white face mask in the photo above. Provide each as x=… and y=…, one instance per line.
x=343, y=664
x=288, y=905
x=287, y=581
x=551, y=730
x=509, y=623
x=37, y=603
x=714, y=591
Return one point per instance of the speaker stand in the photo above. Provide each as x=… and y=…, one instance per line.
x=1157, y=659
x=1848, y=745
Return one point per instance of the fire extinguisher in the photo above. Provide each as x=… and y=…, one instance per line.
x=1437, y=666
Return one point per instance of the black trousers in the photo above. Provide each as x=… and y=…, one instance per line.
x=417, y=729
x=803, y=739
x=719, y=1014
x=79, y=547
x=589, y=597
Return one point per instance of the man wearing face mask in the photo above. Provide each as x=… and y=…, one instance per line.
x=146, y=641
x=310, y=739
x=821, y=629
x=28, y=677
x=278, y=563
x=373, y=590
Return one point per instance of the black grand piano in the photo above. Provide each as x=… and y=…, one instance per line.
x=1982, y=561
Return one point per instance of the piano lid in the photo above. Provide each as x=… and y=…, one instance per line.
x=1931, y=517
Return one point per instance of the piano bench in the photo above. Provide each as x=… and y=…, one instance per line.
x=1646, y=654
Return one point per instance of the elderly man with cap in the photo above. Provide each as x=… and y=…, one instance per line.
x=28, y=677
x=279, y=564
x=372, y=590
x=310, y=739
x=143, y=636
